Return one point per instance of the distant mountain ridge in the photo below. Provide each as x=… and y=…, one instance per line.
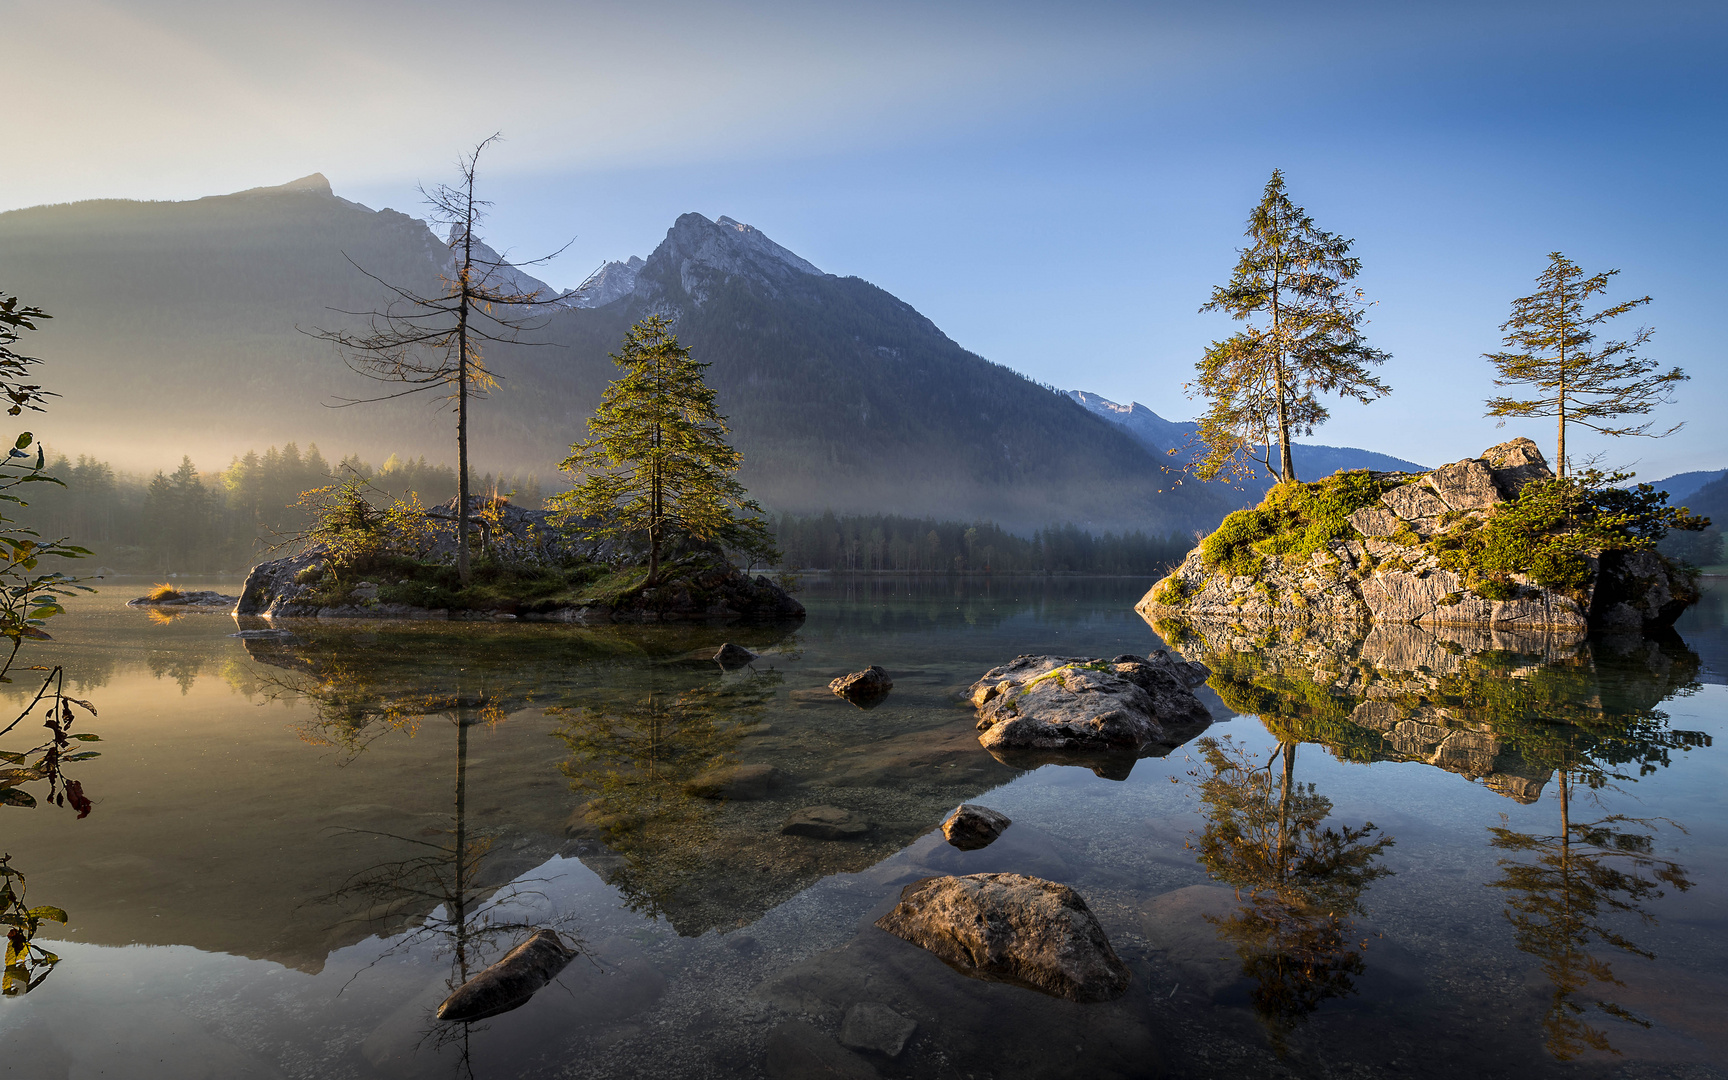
x=1161, y=436
x=178, y=326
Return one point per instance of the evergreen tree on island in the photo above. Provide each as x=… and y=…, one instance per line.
x=1549, y=339
x=657, y=461
x=1292, y=286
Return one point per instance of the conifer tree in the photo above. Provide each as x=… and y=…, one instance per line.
x=1292, y=286
x=1549, y=339
x=656, y=460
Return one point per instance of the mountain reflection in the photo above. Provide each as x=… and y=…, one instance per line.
x=1300, y=882
x=1513, y=711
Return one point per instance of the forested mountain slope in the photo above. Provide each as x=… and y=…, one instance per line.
x=178, y=327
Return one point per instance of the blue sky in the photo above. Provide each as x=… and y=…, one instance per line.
x=1056, y=186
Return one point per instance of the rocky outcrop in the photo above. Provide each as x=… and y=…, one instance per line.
x=1132, y=705
x=696, y=587
x=972, y=827
x=201, y=599
x=1383, y=571
x=1011, y=928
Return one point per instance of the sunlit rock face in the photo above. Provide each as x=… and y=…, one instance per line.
x=1087, y=710
x=1500, y=706
x=1380, y=570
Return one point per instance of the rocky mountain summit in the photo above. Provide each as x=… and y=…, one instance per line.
x=1392, y=547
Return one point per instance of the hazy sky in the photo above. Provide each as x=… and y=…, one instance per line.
x=1056, y=185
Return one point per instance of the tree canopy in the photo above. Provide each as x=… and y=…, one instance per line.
x=1304, y=338
x=1549, y=353
x=657, y=461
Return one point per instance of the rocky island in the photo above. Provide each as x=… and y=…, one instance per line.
x=1494, y=540
x=529, y=570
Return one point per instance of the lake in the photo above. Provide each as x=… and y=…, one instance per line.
x=1405, y=853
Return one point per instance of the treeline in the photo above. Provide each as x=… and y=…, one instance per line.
x=888, y=543
x=190, y=520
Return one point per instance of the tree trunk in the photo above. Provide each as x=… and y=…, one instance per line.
x=1286, y=465
x=464, y=572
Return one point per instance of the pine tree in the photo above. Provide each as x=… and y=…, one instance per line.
x=1305, y=338
x=656, y=460
x=1549, y=339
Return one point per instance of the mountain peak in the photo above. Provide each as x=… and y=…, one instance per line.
x=730, y=247
x=311, y=184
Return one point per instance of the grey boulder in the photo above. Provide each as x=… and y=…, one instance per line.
x=1011, y=928
x=1131, y=704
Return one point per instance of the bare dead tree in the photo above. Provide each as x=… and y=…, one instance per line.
x=433, y=342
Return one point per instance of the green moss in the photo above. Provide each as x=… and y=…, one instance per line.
x=1293, y=520
x=1452, y=599
x=1170, y=592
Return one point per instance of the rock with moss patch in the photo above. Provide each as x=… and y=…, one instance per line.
x=1369, y=547
x=1131, y=705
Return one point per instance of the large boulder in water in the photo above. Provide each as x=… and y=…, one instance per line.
x=1011, y=928
x=1130, y=704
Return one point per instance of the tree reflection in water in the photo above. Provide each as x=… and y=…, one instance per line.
x=1561, y=894
x=1300, y=882
x=636, y=754
x=1512, y=710
x=468, y=917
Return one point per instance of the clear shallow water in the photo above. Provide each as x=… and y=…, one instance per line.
x=272, y=882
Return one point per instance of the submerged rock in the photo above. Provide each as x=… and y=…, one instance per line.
x=866, y=688
x=1131, y=704
x=1011, y=928
x=797, y=1051
x=825, y=823
x=972, y=827
x=737, y=783
x=510, y=982
x=876, y=1028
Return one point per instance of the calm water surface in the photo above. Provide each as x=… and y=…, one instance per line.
x=1408, y=854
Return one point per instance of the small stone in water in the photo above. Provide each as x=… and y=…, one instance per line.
x=972, y=827
x=877, y=1028
x=731, y=655
x=825, y=823
x=510, y=982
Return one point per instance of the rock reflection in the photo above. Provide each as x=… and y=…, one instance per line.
x=1497, y=707
x=1300, y=881
x=1512, y=711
